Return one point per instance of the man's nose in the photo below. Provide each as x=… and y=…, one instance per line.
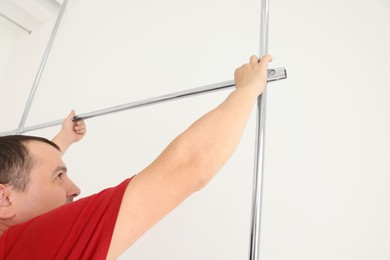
x=72, y=190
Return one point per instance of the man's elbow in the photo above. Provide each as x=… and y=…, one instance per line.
x=201, y=169
x=197, y=163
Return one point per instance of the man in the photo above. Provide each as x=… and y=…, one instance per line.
x=39, y=220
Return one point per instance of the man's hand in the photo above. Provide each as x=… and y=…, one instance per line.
x=253, y=75
x=71, y=132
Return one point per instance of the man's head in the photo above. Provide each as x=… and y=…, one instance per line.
x=16, y=162
x=33, y=178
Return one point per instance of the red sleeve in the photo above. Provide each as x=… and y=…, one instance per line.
x=79, y=230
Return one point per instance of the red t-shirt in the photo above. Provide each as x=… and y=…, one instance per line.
x=79, y=230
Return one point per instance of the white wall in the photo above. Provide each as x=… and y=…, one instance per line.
x=327, y=173
x=6, y=45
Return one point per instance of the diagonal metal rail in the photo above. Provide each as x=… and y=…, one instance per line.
x=42, y=66
x=273, y=75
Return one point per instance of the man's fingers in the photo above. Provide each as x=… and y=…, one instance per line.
x=80, y=123
x=253, y=59
x=80, y=130
x=83, y=131
x=80, y=127
x=265, y=59
x=71, y=115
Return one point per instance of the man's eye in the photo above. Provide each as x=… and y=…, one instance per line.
x=59, y=176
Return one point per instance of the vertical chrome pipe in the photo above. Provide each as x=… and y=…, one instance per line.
x=42, y=66
x=258, y=175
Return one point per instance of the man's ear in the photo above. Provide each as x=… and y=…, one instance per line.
x=6, y=209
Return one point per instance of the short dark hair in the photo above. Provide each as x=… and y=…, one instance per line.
x=16, y=162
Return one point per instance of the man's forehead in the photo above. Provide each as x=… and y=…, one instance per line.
x=41, y=150
x=46, y=159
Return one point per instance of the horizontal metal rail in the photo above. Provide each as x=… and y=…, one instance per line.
x=273, y=75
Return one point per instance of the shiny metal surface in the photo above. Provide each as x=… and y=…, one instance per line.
x=258, y=175
x=41, y=67
x=273, y=75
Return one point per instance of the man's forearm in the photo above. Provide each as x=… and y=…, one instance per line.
x=70, y=132
x=61, y=142
x=213, y=138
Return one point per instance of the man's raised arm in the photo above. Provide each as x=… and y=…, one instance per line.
x=70, y=132
x=189, y=161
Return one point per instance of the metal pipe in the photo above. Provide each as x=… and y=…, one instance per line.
x=16, y=23
x=41, y=67
x=273, y=75
x=159, y=99
x=258, y=175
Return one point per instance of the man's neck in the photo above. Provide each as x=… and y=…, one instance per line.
x=4, y=225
